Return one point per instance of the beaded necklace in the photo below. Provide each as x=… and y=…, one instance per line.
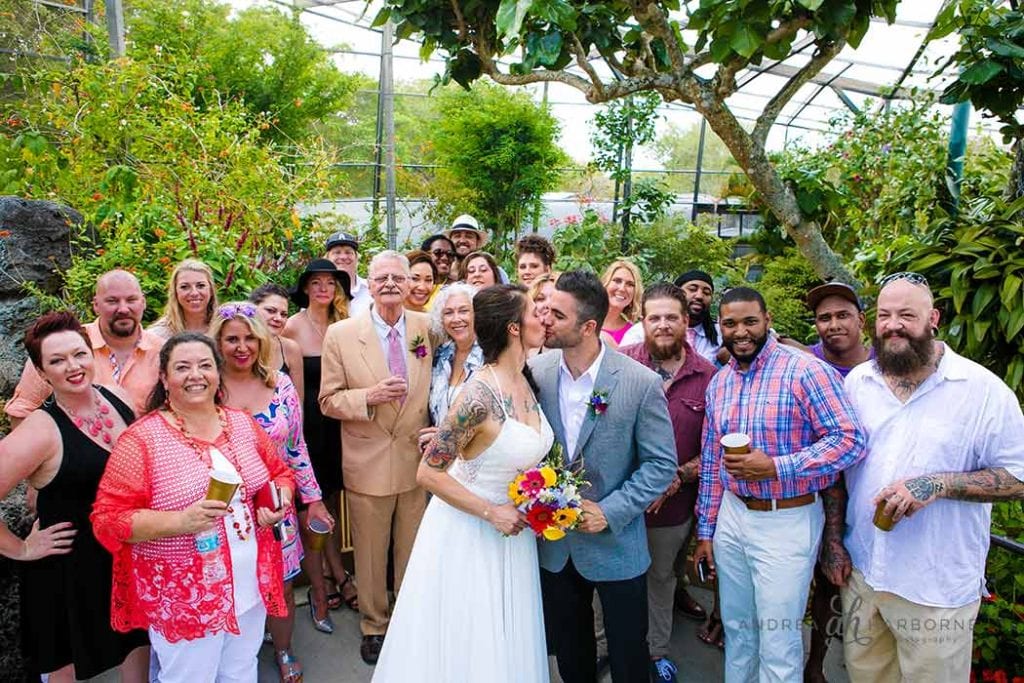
x=99, y=424
x=180, y=424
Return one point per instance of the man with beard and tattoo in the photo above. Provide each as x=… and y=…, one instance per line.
x=759, y=519
x=703, y=333
x=685, y=376
x=126, y=355
x=946, y=441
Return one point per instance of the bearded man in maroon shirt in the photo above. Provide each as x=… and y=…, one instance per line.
x=685, y=376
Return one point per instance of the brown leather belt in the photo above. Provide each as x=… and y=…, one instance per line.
x=769, y=504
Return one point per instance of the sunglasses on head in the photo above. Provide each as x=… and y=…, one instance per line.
x=910, y=276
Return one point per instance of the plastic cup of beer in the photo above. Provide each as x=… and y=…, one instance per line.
x=319, y=532
x=736, y=443
x=223, y=485
x=883, y=521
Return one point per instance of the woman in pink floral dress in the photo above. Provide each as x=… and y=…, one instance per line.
x=270, y=397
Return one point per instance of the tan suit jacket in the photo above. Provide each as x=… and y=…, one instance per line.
x=379, y=443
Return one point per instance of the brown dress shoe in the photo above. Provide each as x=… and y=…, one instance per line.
x=369, y=650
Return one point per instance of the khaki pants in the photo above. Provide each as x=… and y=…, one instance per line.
x=373, y=520
x=888, y=638
x=664, y=544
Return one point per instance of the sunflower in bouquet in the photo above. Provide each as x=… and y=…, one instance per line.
x=548, y=495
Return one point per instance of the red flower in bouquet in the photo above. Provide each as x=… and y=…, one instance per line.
x=540, y=517
x=532, y=483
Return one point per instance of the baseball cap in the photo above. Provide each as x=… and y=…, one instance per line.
x=342, y=238
x=840, y=289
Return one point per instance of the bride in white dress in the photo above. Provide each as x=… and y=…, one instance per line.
x=470, y=605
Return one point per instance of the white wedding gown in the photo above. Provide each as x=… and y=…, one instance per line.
x=469, y=609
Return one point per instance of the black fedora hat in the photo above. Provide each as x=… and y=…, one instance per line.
x=320, y=265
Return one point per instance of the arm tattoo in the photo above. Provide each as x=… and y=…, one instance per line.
x=474, y=406
x=925, y=488
x=833, y=500
x=981, y=486
x=689, y=471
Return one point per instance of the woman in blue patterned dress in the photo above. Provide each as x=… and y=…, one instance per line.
x=270, y=397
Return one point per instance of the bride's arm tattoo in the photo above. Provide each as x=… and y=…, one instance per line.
x=473, y=407
x=981, y=486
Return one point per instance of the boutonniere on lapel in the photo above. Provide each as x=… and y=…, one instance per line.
x=418, y=347
x=598, y=403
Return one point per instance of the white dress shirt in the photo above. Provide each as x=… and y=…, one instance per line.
x=383, y=330
x=361, y=300
x=961, y=419
x=574, y=400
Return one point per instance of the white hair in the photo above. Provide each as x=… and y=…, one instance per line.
x=388, y=255
x=436, y=312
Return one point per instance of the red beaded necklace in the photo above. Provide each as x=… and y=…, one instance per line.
x=99, y=425
x=180, y=424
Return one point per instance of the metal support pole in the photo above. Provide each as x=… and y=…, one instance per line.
x=697, y=173
x=387, y=94
x=115, y=28
x=957, y=150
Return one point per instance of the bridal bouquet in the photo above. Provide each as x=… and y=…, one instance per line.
x=548, y=495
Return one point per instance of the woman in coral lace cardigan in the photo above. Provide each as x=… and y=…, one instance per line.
x=203, y=625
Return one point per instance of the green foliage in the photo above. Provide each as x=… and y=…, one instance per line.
x=499, y=155
x=260, y=56
x=989, y=61
x=784, y=284
x=544, y=34
x=662, y=249
x=999, y=628
x=881, y=176
x=157, y=177
x=975, y=266
x=627, y=122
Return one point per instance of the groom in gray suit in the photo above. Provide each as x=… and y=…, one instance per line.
x=609, y=414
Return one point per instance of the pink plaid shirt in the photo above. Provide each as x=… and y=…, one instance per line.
x=793, y=408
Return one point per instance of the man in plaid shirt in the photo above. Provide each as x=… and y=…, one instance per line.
x=759, y=514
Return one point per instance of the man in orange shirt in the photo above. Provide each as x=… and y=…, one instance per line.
x=126, y=355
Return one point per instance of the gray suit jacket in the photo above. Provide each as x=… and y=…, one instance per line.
x=628, y=456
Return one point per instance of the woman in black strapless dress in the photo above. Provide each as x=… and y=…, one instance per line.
x=62, y=450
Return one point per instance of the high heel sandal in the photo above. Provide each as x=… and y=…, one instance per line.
x=289, y=667
x=336, y=599
x=325, y=625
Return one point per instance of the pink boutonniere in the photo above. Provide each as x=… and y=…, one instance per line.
x=418, y=347
x=598, y=403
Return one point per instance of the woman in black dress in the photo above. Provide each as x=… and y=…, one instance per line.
x=62, y=450
x=322, y=295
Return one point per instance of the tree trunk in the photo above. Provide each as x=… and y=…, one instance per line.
x=1015, y=188
x=778, y=196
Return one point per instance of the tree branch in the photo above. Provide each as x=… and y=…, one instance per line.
x=460, y=21
x=824, y=54
x=655, y=22
x=581, y=59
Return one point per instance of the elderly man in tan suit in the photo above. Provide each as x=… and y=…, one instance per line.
x=376, y=380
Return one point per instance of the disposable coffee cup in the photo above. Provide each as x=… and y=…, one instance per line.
x=883, y=521
x=736, y=443
x=319, y=532
x=223, y=485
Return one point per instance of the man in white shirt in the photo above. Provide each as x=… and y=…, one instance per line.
x=945, y=440
x=342, y=249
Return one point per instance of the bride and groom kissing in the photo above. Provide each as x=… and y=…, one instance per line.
x=473, y=605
